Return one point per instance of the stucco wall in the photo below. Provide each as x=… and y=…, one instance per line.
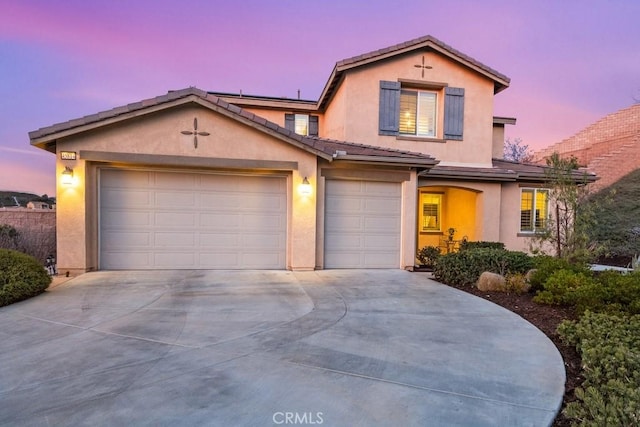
x=159, y=134
x=361, y=99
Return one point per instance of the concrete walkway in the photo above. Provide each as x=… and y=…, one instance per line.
x=238, y=348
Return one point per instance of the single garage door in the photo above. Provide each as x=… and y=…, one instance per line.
x=178, y=220
x=362, y=224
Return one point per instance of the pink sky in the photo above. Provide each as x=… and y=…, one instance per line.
x=571, y=62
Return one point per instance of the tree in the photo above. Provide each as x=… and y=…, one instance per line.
x=517, y=152
x=571, y=215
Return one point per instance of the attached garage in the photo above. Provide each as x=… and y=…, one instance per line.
x=152, y=219
x=362, y=224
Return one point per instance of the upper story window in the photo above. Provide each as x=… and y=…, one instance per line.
x=418, y=113
x=302, y=124
x=534, y=209
x=414, y=112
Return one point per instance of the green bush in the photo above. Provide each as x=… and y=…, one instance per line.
x=562, y=287
x=428, y=255
x=465, y=267
x=467, y=244
x=545, y=266
x=609, y=291
x=609, y=346
x=21, y=277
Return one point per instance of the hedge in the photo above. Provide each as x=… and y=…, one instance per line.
x=21, y=277
x=465, y=267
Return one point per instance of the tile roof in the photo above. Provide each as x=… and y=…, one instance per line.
x=501, y=170
x=329, y=149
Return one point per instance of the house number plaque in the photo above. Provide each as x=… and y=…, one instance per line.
x=68, y=155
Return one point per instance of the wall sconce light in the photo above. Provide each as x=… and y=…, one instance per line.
x=305, y=188
x=67, y=176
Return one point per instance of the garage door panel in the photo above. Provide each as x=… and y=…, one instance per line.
x=118, y=197
x=224, y=240
x=220, y=201
x=116, y=218
x=176, y=199
x=381, y=242
x=123, y=259
x=175, y=219
x=362, y=224
x=217, y=260
x=344, y=222
x=263, y=222
x=125, y=179
x=178, y=239
x=219, y=221
x=380, y=206
x=190, y=220
x=174, y=180
x=116, y=239
x=385, y=223
x=174, y=260
x=345, y=242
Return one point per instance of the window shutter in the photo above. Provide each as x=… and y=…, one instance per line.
x=313, y=125
x=389, y=108
x=290, y=122
x=453, y=113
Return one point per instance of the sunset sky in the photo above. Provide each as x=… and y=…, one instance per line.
x=571, y=62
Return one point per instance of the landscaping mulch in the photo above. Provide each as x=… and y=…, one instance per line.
x=546, y=318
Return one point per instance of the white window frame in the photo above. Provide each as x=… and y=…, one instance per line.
x=301, y=124
x=538, y=222
x=418, y=119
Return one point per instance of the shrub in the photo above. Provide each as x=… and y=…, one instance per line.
x=465, y=267
x=428, y=255
x=467, y=244
x=546, y=265
x=562, y=286
x=21, y=277
x=610, y=349
x=517, y=283
x=609, y=291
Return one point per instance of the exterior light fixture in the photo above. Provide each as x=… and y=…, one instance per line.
x=67, y=176
x=305, y=188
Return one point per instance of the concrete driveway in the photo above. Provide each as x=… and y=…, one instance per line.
x=263, y=348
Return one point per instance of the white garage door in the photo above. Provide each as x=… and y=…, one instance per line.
x=362, y=224
x=171, y=220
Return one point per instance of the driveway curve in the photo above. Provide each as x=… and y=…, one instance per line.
x=261, y=348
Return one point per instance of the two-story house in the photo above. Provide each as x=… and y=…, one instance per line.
x=401, y=146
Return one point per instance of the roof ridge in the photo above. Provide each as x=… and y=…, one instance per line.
x=417, y=41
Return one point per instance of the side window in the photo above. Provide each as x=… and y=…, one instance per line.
x=534, y=209
x=302, y=124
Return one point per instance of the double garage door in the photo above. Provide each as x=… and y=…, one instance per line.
x=178, y=220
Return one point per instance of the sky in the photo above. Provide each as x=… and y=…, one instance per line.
x=571, y=62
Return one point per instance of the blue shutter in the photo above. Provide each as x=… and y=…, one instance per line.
x=389, y=108
x=313, y=125
x=290, y=122
x=453, y=113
